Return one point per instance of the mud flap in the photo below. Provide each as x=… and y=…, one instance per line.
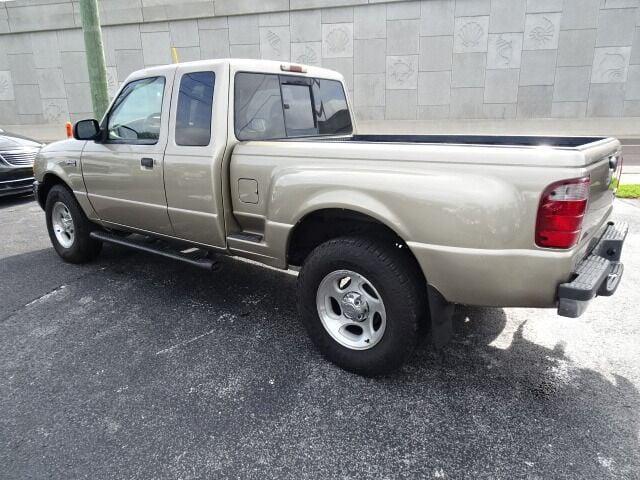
x=441, y=318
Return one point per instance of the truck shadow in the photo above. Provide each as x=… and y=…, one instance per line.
x=561, y=420
x=526, y=410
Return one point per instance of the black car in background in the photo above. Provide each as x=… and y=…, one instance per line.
x=17, y=154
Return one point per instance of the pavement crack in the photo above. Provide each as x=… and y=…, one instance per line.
x=50, y=293
x=47, y=295
x=186, y=342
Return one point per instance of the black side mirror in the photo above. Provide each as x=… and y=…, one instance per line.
x=86, y=130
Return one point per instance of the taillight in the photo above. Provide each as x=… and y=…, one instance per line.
x=560, y=213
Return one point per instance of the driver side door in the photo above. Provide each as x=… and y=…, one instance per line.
x=124, y=171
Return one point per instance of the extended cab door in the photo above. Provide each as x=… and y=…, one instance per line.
x=123, y=172
x=195, y=151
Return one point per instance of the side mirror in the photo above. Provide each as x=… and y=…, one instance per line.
x=86, y=130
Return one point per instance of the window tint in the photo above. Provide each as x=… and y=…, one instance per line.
x=258, y=107
x=195, y=102
x=269, y=106
x=135, y=115
x=331, y=107
x=298, y=114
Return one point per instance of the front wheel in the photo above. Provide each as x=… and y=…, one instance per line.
x=68, y=227
x=361, y=302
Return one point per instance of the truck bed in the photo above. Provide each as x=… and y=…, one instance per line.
x=493, y=140
x=489, y=140
x=514, y=150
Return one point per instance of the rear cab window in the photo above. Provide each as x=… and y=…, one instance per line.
x=298, y=110
x=271, y=106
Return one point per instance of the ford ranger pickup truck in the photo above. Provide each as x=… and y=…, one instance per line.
x=263, y=160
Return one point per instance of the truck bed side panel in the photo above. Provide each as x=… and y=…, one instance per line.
x=467, y=213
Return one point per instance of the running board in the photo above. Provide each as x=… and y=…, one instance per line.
x=166, y=252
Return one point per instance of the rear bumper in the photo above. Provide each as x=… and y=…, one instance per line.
x=599, y=273
x=16, y=186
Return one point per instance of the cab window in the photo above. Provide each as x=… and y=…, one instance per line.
x=331, y=107
x=136, y=113
x=258, y=107
x=298, y=110
x=195, y=104
x=270, y=106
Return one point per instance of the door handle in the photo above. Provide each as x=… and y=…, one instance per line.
x=146, y=162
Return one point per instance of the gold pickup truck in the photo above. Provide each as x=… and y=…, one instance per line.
x=262, y=160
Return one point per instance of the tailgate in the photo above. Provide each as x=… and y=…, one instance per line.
x=603, y=165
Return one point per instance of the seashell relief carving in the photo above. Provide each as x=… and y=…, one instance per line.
x=337, y=40
x=470, y=34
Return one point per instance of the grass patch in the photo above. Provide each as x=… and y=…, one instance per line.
x=628, y=191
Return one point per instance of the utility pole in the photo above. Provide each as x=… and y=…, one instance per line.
x=95, y=56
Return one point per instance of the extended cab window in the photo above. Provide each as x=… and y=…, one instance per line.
x=298, y=110
x=258, y=107
x=195, y=103
x=135, y=115
x=269, y=106
x=331, y=108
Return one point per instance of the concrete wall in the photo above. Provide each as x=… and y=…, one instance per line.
x=418, y=60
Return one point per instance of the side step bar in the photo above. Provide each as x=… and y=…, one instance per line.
x=173, y=254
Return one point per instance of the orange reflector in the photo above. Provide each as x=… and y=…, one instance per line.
x=292, y=68
x=69, y=128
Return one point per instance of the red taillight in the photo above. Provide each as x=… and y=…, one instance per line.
x=560, y=213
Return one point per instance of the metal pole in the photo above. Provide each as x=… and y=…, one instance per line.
x=95, y=56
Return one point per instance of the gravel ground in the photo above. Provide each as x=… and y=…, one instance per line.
x=138, y=367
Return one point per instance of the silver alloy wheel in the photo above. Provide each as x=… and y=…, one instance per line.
x=351, y=310
x=62, y=224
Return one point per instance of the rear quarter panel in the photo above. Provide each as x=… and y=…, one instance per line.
x=467, y=212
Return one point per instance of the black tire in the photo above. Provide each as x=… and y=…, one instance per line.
x=400, y=283
x=84, y=248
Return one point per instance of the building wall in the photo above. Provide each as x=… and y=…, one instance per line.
x=417, y=60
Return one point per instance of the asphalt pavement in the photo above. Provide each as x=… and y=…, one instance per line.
x=138, y=367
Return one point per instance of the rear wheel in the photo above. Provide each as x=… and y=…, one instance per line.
x=68, y=227
x=361, y=302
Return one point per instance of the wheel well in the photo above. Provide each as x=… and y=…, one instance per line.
x=322, y=225
x=45, y=186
